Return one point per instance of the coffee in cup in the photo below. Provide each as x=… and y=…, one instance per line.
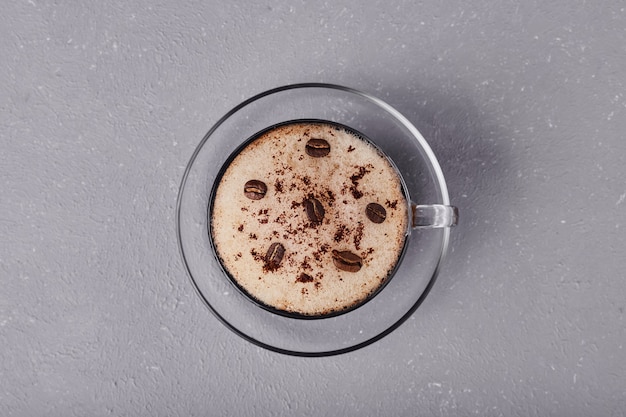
x=309, y=218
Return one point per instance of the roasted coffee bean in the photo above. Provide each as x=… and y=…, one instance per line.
x=375, y=212
x=317, y=148
x=347, y=261
x=314, y=210
x=255, y=189
x=274, y=256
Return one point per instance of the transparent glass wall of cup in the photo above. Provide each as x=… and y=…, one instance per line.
x=427, y=239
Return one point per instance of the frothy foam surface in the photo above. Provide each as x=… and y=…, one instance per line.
x=298, y=224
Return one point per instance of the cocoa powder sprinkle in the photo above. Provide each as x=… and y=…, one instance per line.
x=304, y=278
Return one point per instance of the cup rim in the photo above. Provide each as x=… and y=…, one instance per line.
x=276, y=310
x=436, y=170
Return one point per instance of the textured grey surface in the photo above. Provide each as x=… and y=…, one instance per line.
x=102, y=104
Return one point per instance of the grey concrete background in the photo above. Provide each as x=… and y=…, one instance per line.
x=102, y=104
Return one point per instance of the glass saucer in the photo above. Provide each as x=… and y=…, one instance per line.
x=413, y=278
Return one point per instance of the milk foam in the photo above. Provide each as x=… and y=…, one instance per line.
x=352, y=175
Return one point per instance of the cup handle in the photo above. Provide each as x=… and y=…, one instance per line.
x=429, y=216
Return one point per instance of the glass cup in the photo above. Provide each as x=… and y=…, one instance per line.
x=431, y=217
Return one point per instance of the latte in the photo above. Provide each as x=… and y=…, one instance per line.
x=309, y=219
